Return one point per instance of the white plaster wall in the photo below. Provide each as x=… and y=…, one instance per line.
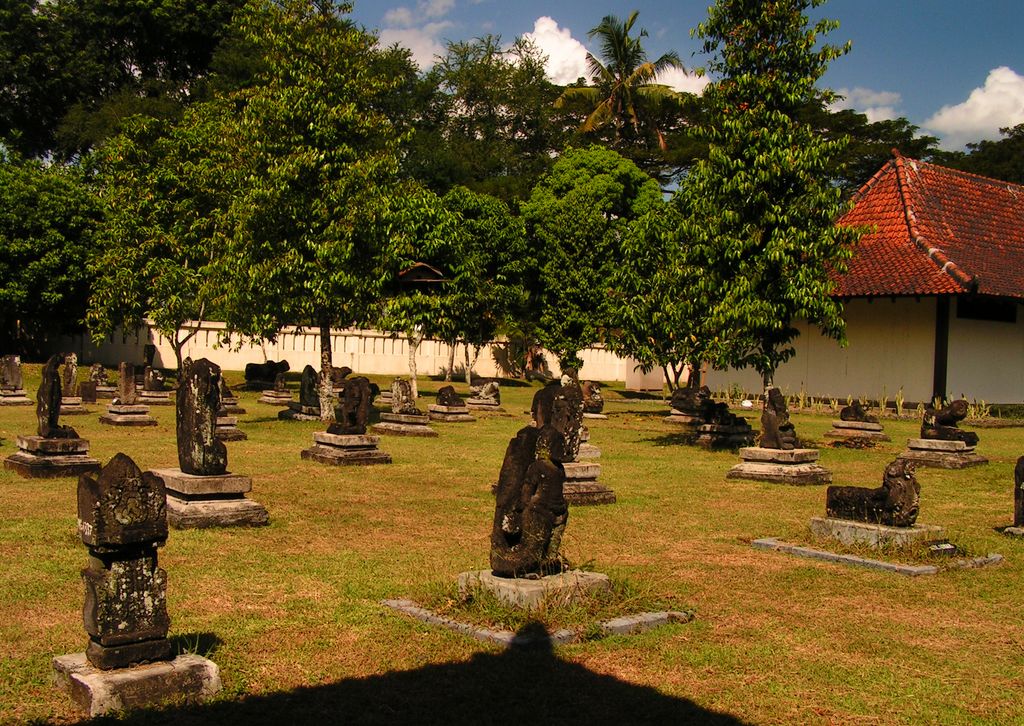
x=986, y=359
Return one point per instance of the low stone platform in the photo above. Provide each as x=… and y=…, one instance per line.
x=345, y=450
x=227, y=429
x=449, y=414
x=14, y=397
x=298, y=412
x=97, y=692
x=72, y=406
x=581, y=486
x=679, y=418
x=157, y=398
x=941, y=454
x=119, y=414
x=598, y=416
x=527, y=593
x=862, y=430
x=588, y=451
x=404, y=424
x=106, y=392
x=230, y=406
x=275, y=398
x=39, y=458
x=484, y=404
x=875, y=535
x=720, y=436
x=195, y=502
x=1014, y=531
x=783, y=466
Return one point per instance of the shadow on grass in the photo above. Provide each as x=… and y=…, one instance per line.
x=640, y=395
x=204, y=644
x=517, y=686
x=672, y=440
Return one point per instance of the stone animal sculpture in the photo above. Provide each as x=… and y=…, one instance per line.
x=544, y=409
x=855, y=412
x=942, y=423
x=593, y=401
x=776, y=430
x=489, y=390
x=338, y=375
x=264, y=374
x=199, y=450
x=1018, y=493
x=48, y=402
x=354, y=410
x=895, y=503
x=447, y=396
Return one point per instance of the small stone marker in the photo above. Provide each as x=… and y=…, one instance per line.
x=126, y=409
x=104, y=388
x=450, y=408
x=279, y=395
x=56, y=450
x=202, y=493
x=405, y=419
x=308, y=406
x=12, y=387
x=154, y=391
x=345, y=442
x=129, y=661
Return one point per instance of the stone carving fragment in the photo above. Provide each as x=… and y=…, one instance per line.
x=941, y=424
x=777, y=432
x=855, y=412
x=48, y=403
x=353, y=413
x=199, y=450
x=895, y=503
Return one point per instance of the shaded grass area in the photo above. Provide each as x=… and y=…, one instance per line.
x=291, y=612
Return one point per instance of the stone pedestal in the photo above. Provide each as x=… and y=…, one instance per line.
x=72, y=406
x=39, y=458
x=229, y=405
x=853, y=430
x=682, y=419
x=14, y=397
x=598, y=416
x=275, y=398
x=119, y=414
x=1014, y=531
x=106, y=392
x=581, y=486
x=588, y=451
x=564, y=588
x=298, y=412
x=851, y=532
x=383, y=400
x=719, y=436
x=98, y=692
x=210, y=501
x=157, y=398
x=783, y=466
x=483, y=404
x=449, y=414
x=345, y=450
x=941, y=454
x=404, y=424
x=227, y=429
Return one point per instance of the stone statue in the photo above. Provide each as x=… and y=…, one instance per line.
x=488, y=391
x=48, y=403
x=148, y=355
x=593, y=402
x=263, y=375
x=446, y=396
x=98, y=374
x=127, y=395
x=941, y=424
x=895, y=503
x=690, y=400
x=10, y=373
x=338, y=375
x=1018, y=493
x=309, y=388
x=776, y=430
x=152, y=379
x=544, y=411
x=855, y=412
x=354, y=411
x=200, y=452
x=69, y=383
x=402, y=401
x=530, y=513
x=280, y=383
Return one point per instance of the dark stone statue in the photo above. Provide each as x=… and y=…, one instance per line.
x=338, y=375
x=264, y=375
x=1018, y=493
x=447, y=396
x=354, y=411
x=560, y=404
x=10, y=373
x=776, y=430
x=98, y=374
x=530, y=513
x=127, y=394
x=593, y=402
x=690, y=399
x=48, y=403
x=225, y=390
x=895, y=503
x=69, y=379
x=280, y=383
x=488, y=391
x=855, y=412
x=402, y=400
x=122, y=519
x=200, y=452
x=148, y=354
x=152, y=379
x=309, y=388
x=941, y=424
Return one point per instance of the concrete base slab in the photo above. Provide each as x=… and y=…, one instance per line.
x=336, y=456
x=275, y=398
x=43, y=446
x=588, y=451
x=401, y=429
x=578, y=494
x=203, y=513
x=483, y=404
x=566, y=587
x=800, y=474
x=597, y=416
x=235, y=410
x=157, y=398
x=14, y=398
x=106, y=392
x=1014, y=531
x=846, y=434
x=98, y=692
x=50, y=466
x=74, y=410
x=415, y=419
x=955, y=447
x=452, y=417
x=875, y=535
x=778, y=456
x=291, y=414
x=770, y=543
x=943, y=460
x=230, y=433
x=130, y=419
x=193, y=485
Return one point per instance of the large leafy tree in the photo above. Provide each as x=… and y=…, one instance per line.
x=1002, y=159
x=760, y=210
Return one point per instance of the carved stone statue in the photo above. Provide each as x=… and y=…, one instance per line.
x=569, y=416
x=402, y=401
x=1018, y=493
x=264, y=375
x=69, y=382
x=776, y=430
x=338, y=376
x=895, y=503
x=280, y=383
x=309, y=388
x=199, y=450
x=855, y=412
x=98, y=374
x=354, y=410
x=10, y=373
x=152, y=379
x=690, y=400
x=149, y=354
x=48, y=403
x=487, y=391
x=593, y=402
x=127, y=395
x=446, y=396
x=941, y=424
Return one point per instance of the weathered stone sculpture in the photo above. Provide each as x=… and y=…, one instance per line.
x=485, y=396
x=353, y=413
x=689, y=400
x=345, y=442
x=98, y=374
x=126, y=409
x=593, y=401
x=855, y=428
x=279, y=395
x=405, y=419
x=308, y=406
x=69, y=379
x=149, y=354
x=12, y=387
x=776, y=430
x=1018, y=493
x=895, y=503
x=855, y=412
x=450, y=407
x=338, y=376
x=48, y=403
x=402, y=400
x=941, y=424
x=943, y=444
x=261, y=376
x=154, y=390
x=153, y=380
x=709, y=423
x=446, y=396
x=199, y=450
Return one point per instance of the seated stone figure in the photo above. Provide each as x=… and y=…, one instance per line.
x=776, y=430
x=690, y=400
x=941, y=424
x=354, y=410
x=488, y=390
x=309, y=391
x=593, y=401
x=446, y=396
x=402, y=400
x=855, y=412
x=895, y=503
x=544, y=407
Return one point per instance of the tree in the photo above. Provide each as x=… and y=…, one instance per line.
x=48, y=217
x=760, y=210
x=575, y=219
x=1002, y=159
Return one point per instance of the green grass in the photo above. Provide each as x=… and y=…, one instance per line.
x=291, y=612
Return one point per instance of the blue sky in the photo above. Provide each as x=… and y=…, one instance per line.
x=954, y=68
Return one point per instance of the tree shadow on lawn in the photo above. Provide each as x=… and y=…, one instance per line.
x=688, y=439
x=517, y=686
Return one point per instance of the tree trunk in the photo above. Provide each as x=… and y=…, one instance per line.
x=451, y=363
x=415, y=338
x=470, y=362
x=326, y=368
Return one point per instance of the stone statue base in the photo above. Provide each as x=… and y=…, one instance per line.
x=484, y=404
x=275, y=398
x=298, y=412
x=1014, y=531
x=227, y=429
x=588, y=451
x=860, y=430
x=404, y=424
x=941, y=454
x=14, y=397
x=598, y=416
x=98, y=692
x=119, y=414
x=157, y=398
x=383, y=400
x=581, y=486
x=39, y=458
x=782, y=466
x=527, y=593
x=72, y=406
x=682, y=419
x=449, y=414
x=717, y=436
x=851, y=532
x=195, y=502
x=230, y=406
x=106, y=392
x=345, y=450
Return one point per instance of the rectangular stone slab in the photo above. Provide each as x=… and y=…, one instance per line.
x=770, y=543
x=862, y=425
x=50, y=466
x=405, y=418
x=875, y=535
x=587, y=493
x=205, y=513
x=938, y=445
x=452, y=417
x=581, y=470
x=528, y=594
x=943, y=459
x=336, y=456
x=778, y=456
x=37, y=444
x=128, y=409
x=437, y=408
x=347, y=441
x=113, y=419
x=780, y=473
x=400, y=429
x=175, y=480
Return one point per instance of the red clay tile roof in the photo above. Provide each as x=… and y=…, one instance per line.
x=935, y=231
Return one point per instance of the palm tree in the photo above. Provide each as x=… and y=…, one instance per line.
x=623, y=83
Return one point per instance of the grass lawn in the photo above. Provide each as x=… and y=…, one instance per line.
x=291, y=612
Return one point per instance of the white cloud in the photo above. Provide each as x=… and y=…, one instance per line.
x=567, y=58
x=425, y=42
x=402, y=17
x=435, y=8
x=999, y=103
x=876, y=105
x=683, y=81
